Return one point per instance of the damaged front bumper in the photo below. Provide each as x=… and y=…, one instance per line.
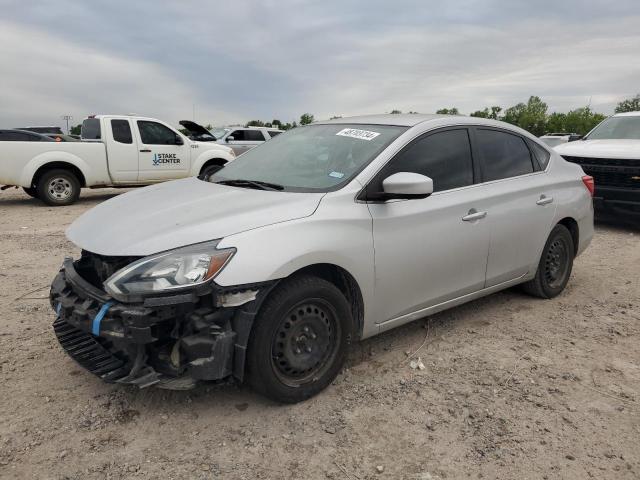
x=171, y=341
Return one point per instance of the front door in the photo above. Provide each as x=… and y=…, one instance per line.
x=430, y=250
x=163, y=153
x=245, y=139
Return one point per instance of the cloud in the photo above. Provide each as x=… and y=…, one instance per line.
x=277, y=59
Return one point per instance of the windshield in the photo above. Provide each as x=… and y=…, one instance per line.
x=617, y=128
x=312, y=158
x=219, y=132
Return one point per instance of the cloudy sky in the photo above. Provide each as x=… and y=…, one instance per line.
x=279, y=58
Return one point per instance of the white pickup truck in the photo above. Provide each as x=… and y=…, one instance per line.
x=116, y=151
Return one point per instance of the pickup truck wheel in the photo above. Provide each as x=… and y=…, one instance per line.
x=58, y=187
x=300, y=339
x=208, y=171
x=31, y=191
x=554, y=268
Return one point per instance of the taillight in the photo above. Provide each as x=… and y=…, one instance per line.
x=589, y=183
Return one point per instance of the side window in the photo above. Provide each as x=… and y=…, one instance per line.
x=445, y=157
x=152, y=133
x=122, y=131
x=273, y=133
x=254, y=135
x=238, y=135
x=541, y=154
x=504, y=155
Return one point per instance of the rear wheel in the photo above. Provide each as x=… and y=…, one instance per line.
x=554, y=268
x=208, y=171
x=300, y=339
x=31, y=191
x=58, y=187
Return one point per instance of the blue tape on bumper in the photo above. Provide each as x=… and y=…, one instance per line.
x=95, y=326
x=58, y=308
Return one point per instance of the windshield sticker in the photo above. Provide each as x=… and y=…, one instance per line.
x=336, y=174
x=355, y=133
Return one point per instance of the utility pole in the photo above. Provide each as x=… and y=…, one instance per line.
x=67, y=118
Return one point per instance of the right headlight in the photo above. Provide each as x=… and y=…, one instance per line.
x=175, y=269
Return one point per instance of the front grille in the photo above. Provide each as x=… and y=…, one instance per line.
x=88, y=352
x=95, y=268
x=610, y=172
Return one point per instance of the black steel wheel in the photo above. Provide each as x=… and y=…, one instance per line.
x=554, y=268
x=299, y=340
x=305, y=342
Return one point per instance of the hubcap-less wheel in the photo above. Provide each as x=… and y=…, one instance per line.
x=556, y=264
x=305, y=342
x=59, y=188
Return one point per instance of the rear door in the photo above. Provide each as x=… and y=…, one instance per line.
x=163, y=153
x=122, y=150
x=245, y=139
x=518, y=200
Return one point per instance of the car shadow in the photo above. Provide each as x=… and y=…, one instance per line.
x=25, y=200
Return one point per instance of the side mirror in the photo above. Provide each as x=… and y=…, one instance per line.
x=229, y=139
x=179, y=140
x=406, y=185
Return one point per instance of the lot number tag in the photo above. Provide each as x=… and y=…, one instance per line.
x=355, y=133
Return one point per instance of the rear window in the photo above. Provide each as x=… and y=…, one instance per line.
x=542, y=155
x=91, y=129
x=504, y=155
x=121, y=131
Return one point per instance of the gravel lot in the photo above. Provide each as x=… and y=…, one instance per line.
x=514, y=387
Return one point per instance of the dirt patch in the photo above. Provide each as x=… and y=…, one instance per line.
x=513, y=387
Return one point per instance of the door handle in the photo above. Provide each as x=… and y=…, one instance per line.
x=544, y=200
x=145, y=150
x=473, y=215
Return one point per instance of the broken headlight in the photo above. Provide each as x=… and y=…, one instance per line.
x=180, y=268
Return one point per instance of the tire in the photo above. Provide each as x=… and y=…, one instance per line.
x=31, y=191
x=300, y=339
x=207, y=171
x=58, y=187
x=554, y=268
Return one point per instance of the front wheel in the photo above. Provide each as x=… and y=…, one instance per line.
x=554, y=268
x=300, y=339
x=208, y=171
x=58, y=187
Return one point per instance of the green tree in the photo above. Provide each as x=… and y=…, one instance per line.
x=493, y=114
x=448, y=111
x=395, y=112
x=276, y=123
x=557, y=122
x=531, y=116
x=75, y=130
x=255, y=123
x=306, y=119
x=629, y=105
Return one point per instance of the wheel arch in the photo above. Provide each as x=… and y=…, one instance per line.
x=212, y=161
x=59, y=165
x=574, y=230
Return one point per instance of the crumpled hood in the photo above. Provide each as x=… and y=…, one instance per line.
x=601, y=149
x=182, y=212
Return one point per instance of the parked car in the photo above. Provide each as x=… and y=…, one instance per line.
x=61, y=137
x=13, y=135
x=117, y=151
x=268, y=272
x=610, y=153
x=554, y=139
x=242, y=139
x=49, y=129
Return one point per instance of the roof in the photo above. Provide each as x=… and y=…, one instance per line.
x=400, y=119
x=628, y=114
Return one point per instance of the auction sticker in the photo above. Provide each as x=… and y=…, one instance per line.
x=355, y=133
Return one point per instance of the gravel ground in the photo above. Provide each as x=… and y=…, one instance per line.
x=513, y=387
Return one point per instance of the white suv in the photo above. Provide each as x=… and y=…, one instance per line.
x=334, y=232
x=241, y=139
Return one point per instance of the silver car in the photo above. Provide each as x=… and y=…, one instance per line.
x=241, y=139
x=325, y=235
